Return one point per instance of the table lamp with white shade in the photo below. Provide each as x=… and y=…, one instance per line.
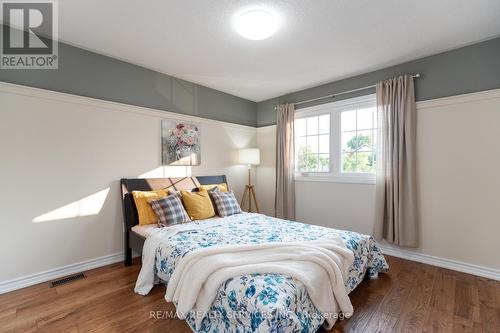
x=249, y=156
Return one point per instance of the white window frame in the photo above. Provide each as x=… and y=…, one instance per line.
x=335, y=174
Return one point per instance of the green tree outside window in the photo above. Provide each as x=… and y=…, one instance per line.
x=359, y=157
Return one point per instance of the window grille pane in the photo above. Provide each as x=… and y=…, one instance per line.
x=349, y=141
x=312, y=125
x=324, y=162
x=365, y=162
x=324, y=124
x=312, y=144
x=302, y=163
x=364, y=140
x=324, y=144
x=300, y=127
x=348, y=121
x=349, y=162
x=313, y=163
x=365, y=119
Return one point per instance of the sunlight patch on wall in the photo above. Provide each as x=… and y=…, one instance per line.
x=239, y=138
x=167, y=172
x=192, y=159
x=90, y=205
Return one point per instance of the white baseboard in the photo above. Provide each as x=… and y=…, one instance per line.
x=455, y=265
x=29, y=280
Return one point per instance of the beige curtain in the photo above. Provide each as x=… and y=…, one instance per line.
x=284, y=200
x=396, y=188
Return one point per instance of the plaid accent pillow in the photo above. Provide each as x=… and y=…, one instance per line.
x=225, y=203
x=170, y=210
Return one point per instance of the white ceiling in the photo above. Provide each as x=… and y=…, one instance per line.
x=317, y=41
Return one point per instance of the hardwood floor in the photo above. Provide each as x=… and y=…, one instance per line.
x=412, y=297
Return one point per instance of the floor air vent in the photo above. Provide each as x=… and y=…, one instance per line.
x=67, y=279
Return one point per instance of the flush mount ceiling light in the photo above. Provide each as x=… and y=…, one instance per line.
x=256, y=24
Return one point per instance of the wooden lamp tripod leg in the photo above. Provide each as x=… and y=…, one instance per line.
x=249, y=188
x=250, y=192
x=255, y=199
x=245, y=193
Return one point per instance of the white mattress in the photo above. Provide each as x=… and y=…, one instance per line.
x=144, y=230
x=147, y=229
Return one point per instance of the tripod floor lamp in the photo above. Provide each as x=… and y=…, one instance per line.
x=249, y=156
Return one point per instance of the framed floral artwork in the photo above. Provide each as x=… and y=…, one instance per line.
x=180, y=143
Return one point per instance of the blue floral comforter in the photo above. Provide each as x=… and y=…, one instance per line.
x=262, y=302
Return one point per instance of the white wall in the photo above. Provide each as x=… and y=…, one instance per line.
x=57, y=149
x=63, y=155
x=459, y=178
x=265, y=172
x=344, y=206
x=459, y=163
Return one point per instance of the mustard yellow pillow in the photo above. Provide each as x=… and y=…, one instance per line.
x=144, y=211
x=198, y=204
x=222, y=187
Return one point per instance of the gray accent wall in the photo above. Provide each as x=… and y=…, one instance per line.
x=468, y=69
x=89, y=74
x=84, y=73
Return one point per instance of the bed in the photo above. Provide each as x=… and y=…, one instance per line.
x=264, y=302
x=133, y=241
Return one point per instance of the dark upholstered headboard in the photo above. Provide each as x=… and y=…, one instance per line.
x=130, y=217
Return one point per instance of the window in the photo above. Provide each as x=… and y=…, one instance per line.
x=312, y=142
x=358, y=139
x=337, y=141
